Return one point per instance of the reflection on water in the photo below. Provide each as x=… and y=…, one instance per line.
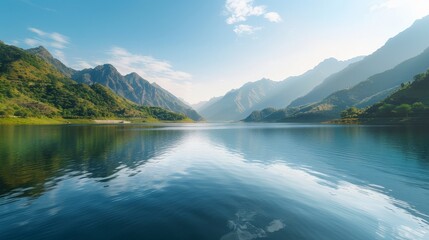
x=214, y=181
x=32, y=156
x=242, y=227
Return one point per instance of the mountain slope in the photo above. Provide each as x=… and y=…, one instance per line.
x=371, y=91
x=134, y=88
x=239, y=103
x=409, y=104
x=57, y=64
x=294, y=87
x=173, y=103
x=258, y=116
x=403, y=46
x=32, y=87
x=204, y=104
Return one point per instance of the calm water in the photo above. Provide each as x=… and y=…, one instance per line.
x=214, y=181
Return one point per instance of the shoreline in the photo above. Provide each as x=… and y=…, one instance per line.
x=63, y=121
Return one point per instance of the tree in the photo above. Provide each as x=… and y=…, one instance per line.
x=403, y=110
x=418, y=108
x=386, y=109
x=352, y=112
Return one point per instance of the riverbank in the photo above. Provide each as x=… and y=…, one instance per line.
x=382, y=121
x=60, y=121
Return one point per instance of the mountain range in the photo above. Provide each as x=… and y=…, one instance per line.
x=132, y=86
x=34, y=83
x=334, y=95
x=239, y=103
x=403, y=46
x=410, y=104
x=30, y=86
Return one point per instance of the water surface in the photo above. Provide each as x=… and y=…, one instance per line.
x=214, y=181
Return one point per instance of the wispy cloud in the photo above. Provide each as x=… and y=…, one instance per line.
x=240, y=10
x=152, y=69
x=146, y=66
x=31, y=3
x=245, y=29
x=54, y=41
x=82, y=64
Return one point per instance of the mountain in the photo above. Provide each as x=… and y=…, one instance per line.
x=171, y=102
x=204, y=104
x=294, y=87
x=403, y=46
x=46, y=55
x=32, y=87
x=410, y=104
x=368, y=92
x=257, y=116
x=238, y=104
x=134, y=88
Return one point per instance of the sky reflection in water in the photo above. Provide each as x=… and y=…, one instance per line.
x=228, y=181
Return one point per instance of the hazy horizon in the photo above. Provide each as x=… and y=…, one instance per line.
x=199, y=50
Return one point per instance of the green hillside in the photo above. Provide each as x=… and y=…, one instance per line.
x=134, y=88
x=31, y=87
x=369, y=92
x=411, y=101
x=410, y=104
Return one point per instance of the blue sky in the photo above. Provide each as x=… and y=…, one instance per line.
x=198, y=49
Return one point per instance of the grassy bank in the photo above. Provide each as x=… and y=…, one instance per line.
x=57, y=121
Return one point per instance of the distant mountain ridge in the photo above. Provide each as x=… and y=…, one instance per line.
x=375, y=89
x=365, y=92
x=369, y=92
x=236, y=103
x=405, y=45
x=200, y=106
x=239, y=103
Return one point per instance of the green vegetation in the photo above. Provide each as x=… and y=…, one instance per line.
x=352, y=112
x=134, y=88
x=31, y=88
x=32, y=157
x=410, y=104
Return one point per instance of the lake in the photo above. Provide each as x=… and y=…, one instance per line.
x=214, y=181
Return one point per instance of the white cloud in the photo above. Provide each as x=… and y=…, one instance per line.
x=59, y=55
x=146, y=66
x=53, y=41
x=240, y=10
x=245, y=29
x=37, y=31
x=273, y=17
x=82, y=64
x=151, y=69
x=32, y=42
